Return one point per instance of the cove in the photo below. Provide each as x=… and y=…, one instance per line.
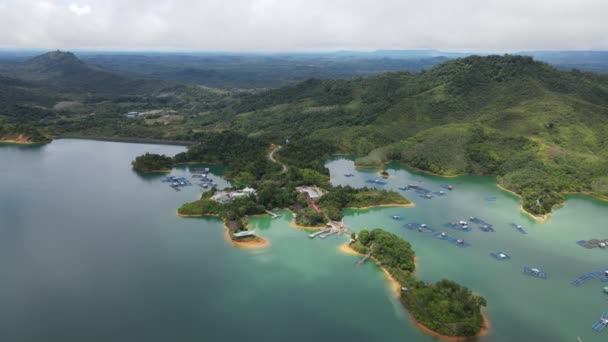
x=91, y=251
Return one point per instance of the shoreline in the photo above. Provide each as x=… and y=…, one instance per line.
x=293, y=224
x=396, y=289
x=538, y=218
x=258, y=242
x=399, y=205
x=129, y=140
x=21, y=142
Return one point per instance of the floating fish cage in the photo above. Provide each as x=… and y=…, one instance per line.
x=535, y=272
x=602, y=323
x=500, y=256
x=519, y=228
x=601, y=275
x=458, y=226
x=422, y=228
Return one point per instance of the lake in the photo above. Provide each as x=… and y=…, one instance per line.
x=91, y=251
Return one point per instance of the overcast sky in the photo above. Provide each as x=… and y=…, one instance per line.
x=305, y=25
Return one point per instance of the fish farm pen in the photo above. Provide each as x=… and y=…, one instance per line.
x=453, y=240
x=593, y=243
x=535, y=272
x=422, y=228
x=375, y=181
x=500, y=256
x=519, y=228
x=602, y=323
x=601, y=275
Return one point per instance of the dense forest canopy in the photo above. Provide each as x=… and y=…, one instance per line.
x=540, y=130
x=445, y=307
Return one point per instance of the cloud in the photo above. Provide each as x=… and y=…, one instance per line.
x=80, y=10
x=305, y=25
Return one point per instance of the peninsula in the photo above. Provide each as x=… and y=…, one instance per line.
x=445, y=309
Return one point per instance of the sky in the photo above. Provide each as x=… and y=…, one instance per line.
x=305, y=25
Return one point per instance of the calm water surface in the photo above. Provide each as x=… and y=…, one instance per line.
x=90, y=251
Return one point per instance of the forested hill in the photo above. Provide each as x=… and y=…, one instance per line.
x=541, y=130
x=63, y=71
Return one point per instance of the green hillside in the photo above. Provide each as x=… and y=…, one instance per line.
x=542, y=131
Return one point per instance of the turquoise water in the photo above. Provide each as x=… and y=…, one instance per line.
x=90, y=251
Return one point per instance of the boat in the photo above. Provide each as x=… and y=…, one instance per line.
x=396, y=217
x=442, y=234
x=460, y=241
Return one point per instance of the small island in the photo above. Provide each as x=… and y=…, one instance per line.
x=444, y=309
x=152, y=163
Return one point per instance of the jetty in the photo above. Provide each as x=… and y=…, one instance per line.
x=273, y=215
x=602, y=323
x=367, y=256
x=535, y=272
x=317, y=233
x=330, y=233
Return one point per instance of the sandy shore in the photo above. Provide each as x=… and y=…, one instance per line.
x=20, y=142
x=537, y=218
x=409, y=205
x=396, y=289
x=293, y=224
x=257, y=243
x=483, y=332
x=394, y=284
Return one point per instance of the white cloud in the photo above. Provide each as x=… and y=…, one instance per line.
x=80, y=10
x=482, y=25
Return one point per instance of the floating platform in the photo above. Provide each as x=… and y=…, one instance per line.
x=500, y=256
x=602, y=323
x=330, y=233
x=535, y=272
x=589, y=276
x=593, y=243
x=458, y=226
x=519, y=228
x=315, y=234
x=453, y=240
x=421, y=228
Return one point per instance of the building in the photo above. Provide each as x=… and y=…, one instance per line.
x=244, y=234
x=311, y=192
x=230, y=195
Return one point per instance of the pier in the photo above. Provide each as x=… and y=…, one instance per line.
x=367, y=256
x=321, y=231
x=274, y=216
